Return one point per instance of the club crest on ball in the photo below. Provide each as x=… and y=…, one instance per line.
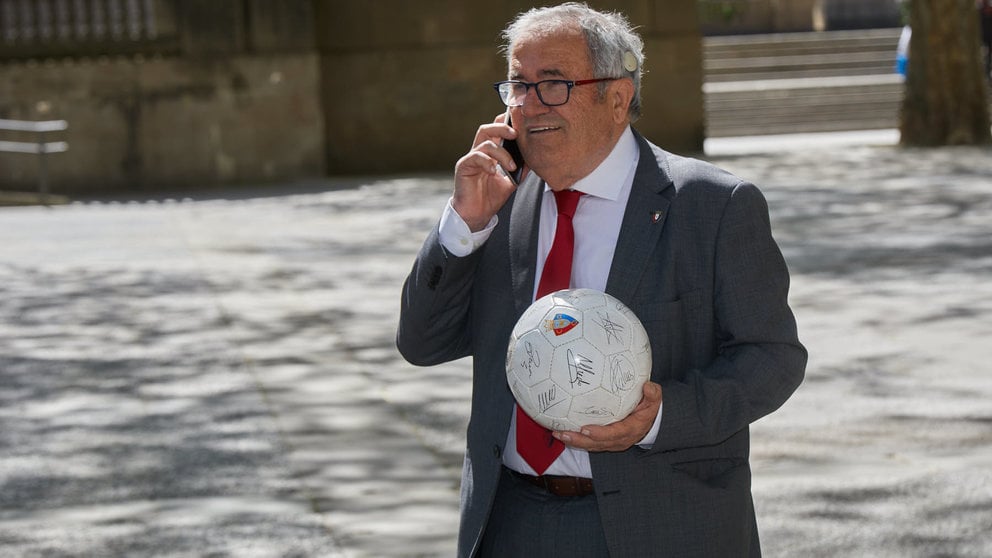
x=561, y=324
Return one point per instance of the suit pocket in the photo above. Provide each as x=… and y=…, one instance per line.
x=715, y=497
x=665, y=323
x=716, y=473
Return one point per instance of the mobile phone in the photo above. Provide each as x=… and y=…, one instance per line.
x=518, y=158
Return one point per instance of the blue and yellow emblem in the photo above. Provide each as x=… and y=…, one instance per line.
x=561, y=324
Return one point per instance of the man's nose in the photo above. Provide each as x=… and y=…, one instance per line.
x=532, y=104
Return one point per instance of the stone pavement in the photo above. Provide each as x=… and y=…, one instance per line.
x=217, y=377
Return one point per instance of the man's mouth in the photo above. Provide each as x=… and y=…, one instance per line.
x=542, y=129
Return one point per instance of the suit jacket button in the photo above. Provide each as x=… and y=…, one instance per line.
x=435, y=278
x=497, y=451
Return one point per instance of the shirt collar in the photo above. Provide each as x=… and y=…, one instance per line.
x=603, y=182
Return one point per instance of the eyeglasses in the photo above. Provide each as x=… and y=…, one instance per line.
x=551, y=92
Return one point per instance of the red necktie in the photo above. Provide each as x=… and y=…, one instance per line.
x=534, y=442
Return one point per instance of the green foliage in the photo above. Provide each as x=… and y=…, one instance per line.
x=721, y=11
x=904, y=7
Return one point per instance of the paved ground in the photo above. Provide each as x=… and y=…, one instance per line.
x=217, y=377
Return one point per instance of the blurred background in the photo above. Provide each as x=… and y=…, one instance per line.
x=166, y=94
x=214, y=373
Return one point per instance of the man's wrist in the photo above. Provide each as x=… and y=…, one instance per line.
x=457, y=236
x=648, y=441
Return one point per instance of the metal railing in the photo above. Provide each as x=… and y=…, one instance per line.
x=76, y=28
x=40, y=147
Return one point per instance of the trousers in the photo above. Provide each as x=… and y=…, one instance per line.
x=528, y=521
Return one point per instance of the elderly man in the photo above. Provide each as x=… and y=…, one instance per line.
x=686, y=246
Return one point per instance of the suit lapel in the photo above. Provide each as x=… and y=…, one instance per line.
x=643, y=221
x=523, y=240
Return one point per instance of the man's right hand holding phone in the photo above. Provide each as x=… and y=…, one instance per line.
x=481, y=186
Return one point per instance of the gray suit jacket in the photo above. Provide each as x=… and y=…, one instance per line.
x=710, y=286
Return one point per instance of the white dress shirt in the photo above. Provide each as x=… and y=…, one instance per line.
x=597, y=223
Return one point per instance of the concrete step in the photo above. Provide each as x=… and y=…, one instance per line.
x=748, y=46
x=827, y=119
x=801, y=82
x=794, y=66
x=800, y=111
x=799, y=55
x=801, y=127
x=822, y=110
x=802, y=120
x=811, y=71
x=847, y=110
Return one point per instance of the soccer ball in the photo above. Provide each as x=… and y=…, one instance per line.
x=577, y=357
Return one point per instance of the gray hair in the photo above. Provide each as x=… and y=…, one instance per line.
x=609, y=37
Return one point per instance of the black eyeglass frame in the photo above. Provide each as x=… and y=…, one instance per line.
x=536, y=85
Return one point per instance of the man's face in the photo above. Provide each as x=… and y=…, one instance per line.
x=566, y=142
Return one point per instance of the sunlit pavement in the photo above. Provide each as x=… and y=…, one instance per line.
x=218, y=377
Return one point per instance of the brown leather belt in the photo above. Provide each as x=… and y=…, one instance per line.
x=558, y=485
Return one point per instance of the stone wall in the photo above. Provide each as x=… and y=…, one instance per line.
x=141, y=125
x=240, y=91
x=235, y=102
x=406, y=84
x=230, y=92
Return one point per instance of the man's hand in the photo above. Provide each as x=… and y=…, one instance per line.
x=481, y=188
x=621, y=434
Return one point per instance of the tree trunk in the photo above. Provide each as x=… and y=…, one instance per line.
x=946, y=100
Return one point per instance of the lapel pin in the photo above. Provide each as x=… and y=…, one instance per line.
x=656, y=216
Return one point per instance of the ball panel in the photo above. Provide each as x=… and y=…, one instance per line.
x=623, y=376
x=521, y=393
x=595, y=407
x=608, y=329
x=532, y=315
x=560, y=424
x=530, y=358
x=639, y=341
x=578, y=367
x=552, y=400
x=583, y=299
x=546, y=403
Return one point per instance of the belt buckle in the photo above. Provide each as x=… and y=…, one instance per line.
x=561, y=486
x=564, y=487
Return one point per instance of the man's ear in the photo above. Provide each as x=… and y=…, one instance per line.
x=621, y=95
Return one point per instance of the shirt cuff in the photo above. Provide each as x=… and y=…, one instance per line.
x=648, y=441
x=457, y=238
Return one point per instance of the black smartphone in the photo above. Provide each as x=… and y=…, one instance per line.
x=518, y=158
